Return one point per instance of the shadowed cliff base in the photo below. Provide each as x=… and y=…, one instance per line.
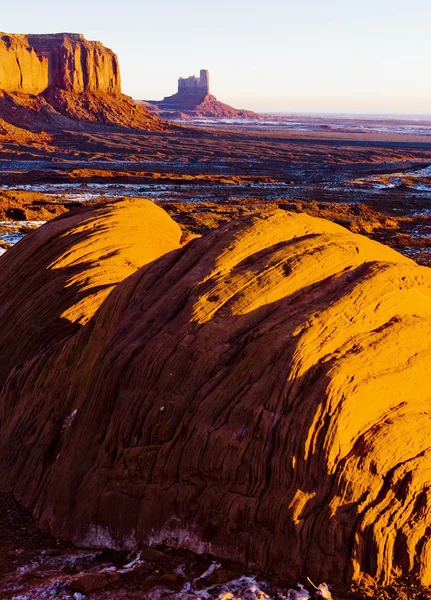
x=259, y=394
x=36, y=565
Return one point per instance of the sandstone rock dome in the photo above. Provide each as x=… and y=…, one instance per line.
x=56, y=278
x=262, y=394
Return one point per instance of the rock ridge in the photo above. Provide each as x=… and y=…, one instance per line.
x=68, y=267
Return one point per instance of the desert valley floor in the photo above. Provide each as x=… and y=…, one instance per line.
x=377, y=182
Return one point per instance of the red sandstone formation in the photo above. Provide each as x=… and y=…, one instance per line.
x=64, y=75
x=261, y=394
x=77, y=65
x=33, y=64
x=191, y=92
x=21, y=69
x=59, y=275
x=193, y=99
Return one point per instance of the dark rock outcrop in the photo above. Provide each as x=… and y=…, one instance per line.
x=193, y=99
x=261, y=394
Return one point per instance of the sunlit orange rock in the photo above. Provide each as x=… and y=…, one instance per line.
x=48, y=81
x=21, y=69
x=261, y=394
x=35, y=63
x=56, y=278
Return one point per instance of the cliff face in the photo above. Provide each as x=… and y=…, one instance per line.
x=21, y=68
x=61, y=81
x=36, y=63
x=199, y=86
x=260, y=394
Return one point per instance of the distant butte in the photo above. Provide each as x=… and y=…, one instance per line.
x=193, y=99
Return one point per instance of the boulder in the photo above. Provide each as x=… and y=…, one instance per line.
x=261, y=394
x=57, y=276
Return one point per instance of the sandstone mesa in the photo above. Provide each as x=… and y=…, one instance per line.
x=52, y=81
x=261, y=394
x=33, y=64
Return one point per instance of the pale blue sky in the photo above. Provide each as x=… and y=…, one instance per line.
x=291, y=55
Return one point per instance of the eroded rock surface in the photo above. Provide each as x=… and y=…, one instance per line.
x=56, y=278
x=35, y=63
x=49, y=81
x=261, y=394
x=193, y=99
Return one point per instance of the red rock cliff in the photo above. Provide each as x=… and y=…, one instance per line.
x=36, y=63
x=48, y=83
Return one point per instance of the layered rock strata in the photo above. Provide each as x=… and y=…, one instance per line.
x=35, y=63
x=261, y=394
x=49, y=82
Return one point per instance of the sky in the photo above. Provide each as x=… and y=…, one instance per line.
x=358, y=56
